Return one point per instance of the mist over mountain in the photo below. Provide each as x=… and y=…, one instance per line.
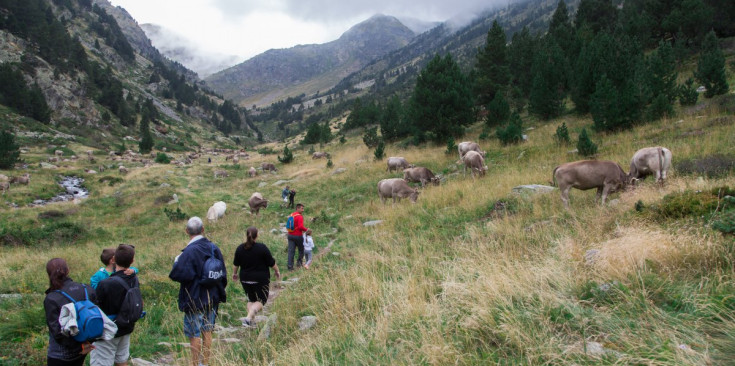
x=183, y=51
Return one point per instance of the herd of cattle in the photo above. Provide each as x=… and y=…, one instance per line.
x=606, y=176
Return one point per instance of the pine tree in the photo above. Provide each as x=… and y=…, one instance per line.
x=660, y=82
x=390, y=123
x=549, y=80
x=146, y=140
x=562, y=31
x=492, y=66
x=513, y=132
x=498, y=111
x=370, y=138
x=287, y=156
x=9, y=150
x=520, y=60
x=711, y=67
x=562, y=134
x=585, y=146
x=441, y=104
x=688, y=93
x=379, y=150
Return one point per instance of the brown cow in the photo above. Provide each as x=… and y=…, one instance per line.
x=23, y=179
x=252, y=172
x=256, y=202
x=268, y=167
x=647, y=161
x=397, y=163
x=607, y=176
x=396, y=188
x=421, y=175
x=221, y=174
x=466, y=146
x=473, y=160
x=320, y=154
x=4, y=186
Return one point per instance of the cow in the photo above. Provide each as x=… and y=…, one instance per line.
x=235, y=160
x=320, y=154
x=396, y=188
x=23, y=179
x=607, y=176
x=397, y=163
x=466, y=146
x=421, y=175
x=268, y=167
x=217, y=211
x=220, y=174
x=4, y=178
x=4, y=186
x=252, y=172
x=59, y=152
x=256, y=202
x=473, y=160
x=122, y=169
x=52, y=159
x=647, y=161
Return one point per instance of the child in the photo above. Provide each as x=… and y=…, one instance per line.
x=108, y=259
x=308, y=247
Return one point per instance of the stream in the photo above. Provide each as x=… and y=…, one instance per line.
x=73, y=188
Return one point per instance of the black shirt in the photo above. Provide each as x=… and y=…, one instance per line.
x=110, y=296
x=254, y=263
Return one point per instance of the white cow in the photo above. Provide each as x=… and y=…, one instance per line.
x=647, y=161
x=217, y=211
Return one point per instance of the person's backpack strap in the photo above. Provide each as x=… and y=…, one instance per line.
x=67, y=295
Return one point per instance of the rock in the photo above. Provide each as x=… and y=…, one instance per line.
x=339, y=171
x=164, y=185
x=590, y=257
x=532, y=188
x=262, y=184
x=141, y=362
x=307, y=322
x=280, y=182
x=573, y=151
x=174, y=199
x=372, y=223
x=613, y=202
x=45, y=165
x=270, y=324
x=165, y=344
x=336, y=254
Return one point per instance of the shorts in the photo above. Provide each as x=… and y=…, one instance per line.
x=196, y=323
x=257, y=291
x=104, y=352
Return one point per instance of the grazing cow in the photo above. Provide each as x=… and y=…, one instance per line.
x=397, y=163
x=647, y=161
x=59, y=152
x=396, y=188
x=268, y=167
x=235, y=160
x=221, y=174
x=122, y=169
x=421, y=175
x=256, y=202
x=466, y=146
x=52, y=159
x=23, y=179
x=217, y=211
x=4, y=178
x=4, y=186
x=473, y=160
x=320, y=154
x=252, y=172
x=607, y=176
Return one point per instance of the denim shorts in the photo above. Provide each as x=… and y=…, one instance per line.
x=196, y=323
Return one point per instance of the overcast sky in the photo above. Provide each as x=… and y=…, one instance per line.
x=246, y=28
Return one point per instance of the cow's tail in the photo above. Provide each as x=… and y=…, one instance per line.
x=661, y=159
x=553, y=177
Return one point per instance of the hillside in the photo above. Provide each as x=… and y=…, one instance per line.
x=280, y=73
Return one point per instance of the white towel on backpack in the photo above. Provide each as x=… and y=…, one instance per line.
x=68, y=320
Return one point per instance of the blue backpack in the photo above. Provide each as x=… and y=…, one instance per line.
x=291, y=223
x=212, y=271
x=89, y=318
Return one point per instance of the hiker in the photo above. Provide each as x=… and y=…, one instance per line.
x=291, y=195
x=63, y=350
x=284, y=194
x=108, y=259
x=253, y=260
x=111, y=294
x=198, y=302
x=295, y=236
x=308, y=248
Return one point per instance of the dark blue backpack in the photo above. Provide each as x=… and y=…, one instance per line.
x=212, y=271
x=89, y=318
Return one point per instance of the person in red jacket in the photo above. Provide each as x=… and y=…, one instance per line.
x=296, y=237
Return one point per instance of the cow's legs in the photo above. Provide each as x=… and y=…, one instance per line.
x=565, y=195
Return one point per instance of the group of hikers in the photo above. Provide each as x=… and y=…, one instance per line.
x=114, y=294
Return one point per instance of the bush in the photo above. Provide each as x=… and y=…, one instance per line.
x=688, y=93
x=49, y=234
x=562, y=135
x=513, y=132
x=686, y=204
x=370, y=138
x=379, y=150
x=111, y=181
x=162, y=158
x=585, y=146
x=725, y=223
x=329, y=163
x=9, y=150
x=713, y=166
x=287, y=156
x=177, y=215
x=266, y=151
x=451, y=146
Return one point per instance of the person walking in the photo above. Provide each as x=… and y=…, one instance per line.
x=295, y=237
x=253, y=260
x=63, y=350
x=308, y=248
x=291, y=196
x=199, y=303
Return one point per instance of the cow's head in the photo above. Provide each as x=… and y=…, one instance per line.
x=435, y=181
x=414, y=195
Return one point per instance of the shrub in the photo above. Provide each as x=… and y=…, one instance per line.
x=49, y=234
x=266, y=151
x=686, y=204
x=713, y=166
x=111, y=181
x=342, y=139
x=177, y=215
x=370, y=138
x=9, y=150
x=562, y=135
x=287, y=156
x=379, y=150
x=513, y=132
x=688, y=93
x=311, y=149
x=451, y=146
x=484, y=135
x=162, y=158
x=585, y=146
x=725, y=223
x=329, y=163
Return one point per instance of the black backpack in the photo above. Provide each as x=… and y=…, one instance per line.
x=131, y=308
x=212, y=271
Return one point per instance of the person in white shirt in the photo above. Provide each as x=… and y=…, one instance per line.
x=308, y=247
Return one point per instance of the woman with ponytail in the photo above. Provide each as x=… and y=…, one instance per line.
x=253, y=260
x=62, y=348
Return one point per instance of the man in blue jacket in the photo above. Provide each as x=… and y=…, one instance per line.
x=199, y=303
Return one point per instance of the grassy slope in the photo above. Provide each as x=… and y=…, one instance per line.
x=439, y=282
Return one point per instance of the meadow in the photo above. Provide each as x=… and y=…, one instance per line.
x=471, y=274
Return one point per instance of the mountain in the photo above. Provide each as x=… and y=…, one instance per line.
x=86, y=70
x=279, y=73
x=181, y=50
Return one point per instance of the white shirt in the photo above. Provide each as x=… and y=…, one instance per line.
x=190, y=241
x=308, y=242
